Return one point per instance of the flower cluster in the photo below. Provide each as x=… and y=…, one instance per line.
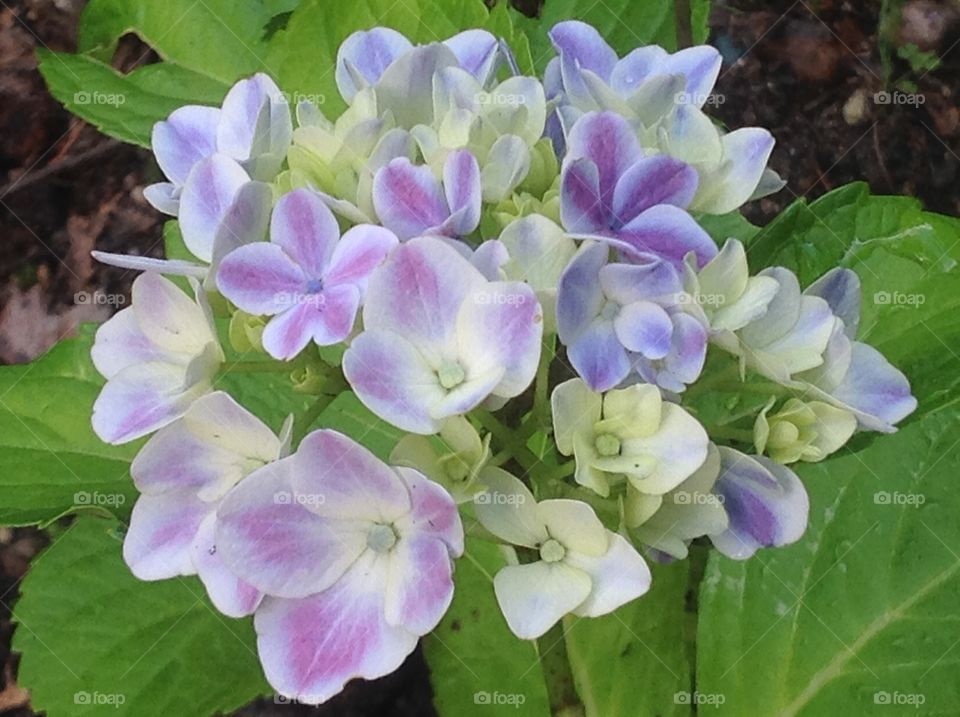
x=489, y=263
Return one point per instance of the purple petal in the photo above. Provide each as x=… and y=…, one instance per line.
x=581, y=208
x=311, y=648
x=644, y=327
x=268, y=537
x=668, y=232
x=208, y=193
x=433, y=511
x=119, y=343
x=878, y=391
x=417, y=292
x=140, y=400
x=476, y=51
x=627, y=283
x=461, y=185
x=688, y=350
x=260, y=279
x=306, y=229
x=700, y=66
x=242, y=132
x=766, y=503
x=244, y=222
x=579, y=296
x=636, y=67
x=187, y=136
x=354, y=483
x=228, y=593
x=358, y=253
x=367, y=53
x=326, y=317
x=393, y=380
x=652, y=181
x=500, y=327
x=599, y=357
x=582, y=43
x=164, y=197
x=420, y=583
x=162, y=528
x=407, y=198
x=608, y=140
x=840, y=288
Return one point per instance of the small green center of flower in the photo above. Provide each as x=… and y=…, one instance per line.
x=607, y=445
x=455, y=467
x=552, y=552
x=451, y=374
x=381, y=538
x=784, y=433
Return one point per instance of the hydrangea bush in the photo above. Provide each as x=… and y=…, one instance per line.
x=572, y=361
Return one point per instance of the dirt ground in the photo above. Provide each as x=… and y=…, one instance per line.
x=828, y=78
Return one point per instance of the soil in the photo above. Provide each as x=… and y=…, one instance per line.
x=809, y=71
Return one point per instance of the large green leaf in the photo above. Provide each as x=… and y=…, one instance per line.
x=50, y=459
x=477, y=666
x=96, y=641
x=643, y=640
x=347, y=415
x=125, y=106
x=861, y=614
x=625, y=24
x=220, y=38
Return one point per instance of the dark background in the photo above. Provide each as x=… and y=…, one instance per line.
x=807, y=70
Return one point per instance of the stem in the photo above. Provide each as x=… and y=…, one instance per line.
x=554, y=661
x=303, y=420
x=541, y=391
x=561, y=689
x=507, y=439
x=742, y=435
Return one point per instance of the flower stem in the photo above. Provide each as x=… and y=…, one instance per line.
x=561, y=690
x=541, y=391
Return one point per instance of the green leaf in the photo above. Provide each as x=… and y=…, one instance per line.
x=862, y=611
x=95, y=640
x=625, y=24
x=124, y=106
x=50, y=459
x=643, y=640
x=302, y=56
x=477, y=666
x=347, y=415
x=223, y=39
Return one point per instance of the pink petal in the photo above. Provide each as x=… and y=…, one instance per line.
x=187, y=136
x=358, y=253
x=119, y=343
x=461, y=186
x=326, y=318
x=306, y=229
x=162, y=530
x=433, y=511
x=407, y=199
x=367, y=53
x=608, y=140
x=269, y=538
x=651, y=181
x=354, y=483
x=209, y=191
x=311, y=648
x=420, y=583
x=261, y=279
x=228, y=593
x=581, y=209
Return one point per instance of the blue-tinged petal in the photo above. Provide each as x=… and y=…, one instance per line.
x=635, y=68
x=668, y=232
x=208, y=194
x=187, y=136
x=408, y=199
x=766, y=503
x=579, y=295
x=651, y=181
x=581, y=208
x=461, y=186
x=608, y=140
x=476, y=51
x=164, y=197
x=406, y=86
x=700, y=67
x=645, y=328
x=255, y=120
x=840, y=288
x=582, y=43
x=367, y=53
x=599, y=357
x=653, y=279
x=878, y=391
x=306, y=230
x=745, y=155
